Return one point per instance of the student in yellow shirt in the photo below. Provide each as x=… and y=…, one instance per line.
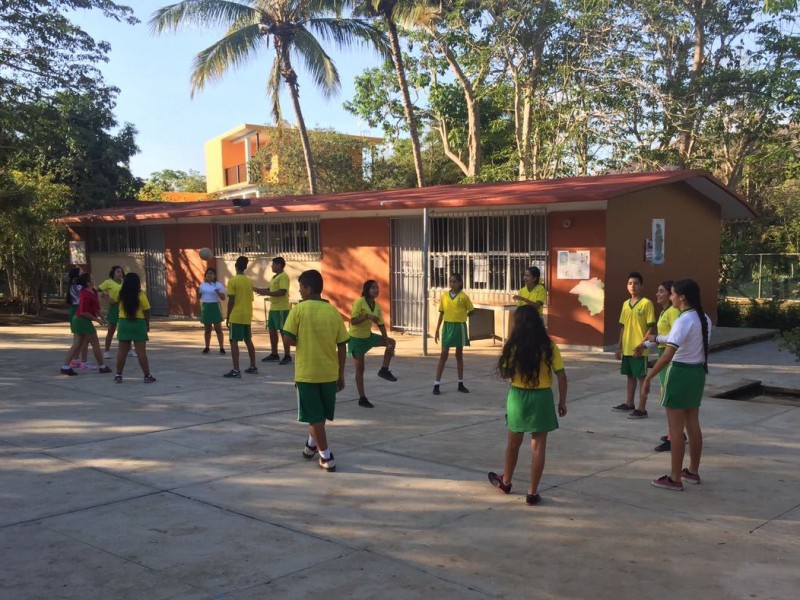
x=366, y=312
x=240, y=317
x=533, y=292
x=278, y=293
x=454, y=310
x=133, y=326
x=110, y=289
x=318, y=331
x=529, y=359
x=637, y=320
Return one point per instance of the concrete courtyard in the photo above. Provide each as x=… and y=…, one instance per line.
x=194, y=487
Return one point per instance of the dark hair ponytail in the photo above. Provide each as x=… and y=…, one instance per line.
x=129, y=295
x=367, y=287
x=691, y=291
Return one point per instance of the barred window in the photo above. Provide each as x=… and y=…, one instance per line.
x=298, y=240
x=117, y=239
x=490, y=250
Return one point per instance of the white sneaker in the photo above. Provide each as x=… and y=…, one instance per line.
x=132, y=354
x=106, y=354
x=88, y=367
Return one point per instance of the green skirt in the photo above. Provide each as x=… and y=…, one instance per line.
x=530, y=410
x=683, y=386
x=132, y=330
x=83, y=326
x=113, y=314
x=210, y=313
x=454, y=335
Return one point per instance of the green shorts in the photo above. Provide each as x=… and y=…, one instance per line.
x=683, y=386
x=132, y=330
x=276, y=319
x=316, y=402
x=360, y=346
x=113, y=314
x=530, y=410
x=635, y=367
x=455, y=335
x=83, y=326
x=238, y=332
x=73, y=308
x=210, y=313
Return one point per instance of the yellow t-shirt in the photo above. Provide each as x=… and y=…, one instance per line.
x=318, y=328
x=110, y=287
x=665, y=321
x=537, y=294
x=279, y=282
x=241, y=288
x=636, y=320
x=361, y=307
x=144, y=304
x=545, y=373
x=456, y=309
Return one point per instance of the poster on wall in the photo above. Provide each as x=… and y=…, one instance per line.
x=658, y=241
x=77, y=253
x=573, y=265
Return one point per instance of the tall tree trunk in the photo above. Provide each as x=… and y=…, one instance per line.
x=290, y=77
x=400, y=72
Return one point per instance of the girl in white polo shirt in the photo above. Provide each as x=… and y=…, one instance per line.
x=686, y=361
x=211, y=292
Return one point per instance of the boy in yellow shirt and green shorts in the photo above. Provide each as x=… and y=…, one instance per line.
x=278, y=293
x=316, y=328
x=637, y=320
x=240, y=317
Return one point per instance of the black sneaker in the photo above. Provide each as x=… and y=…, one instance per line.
x=436, y=391
x=497, y=481
x=637, y=414
x=251, y=370
x=365, y=403
x=531, y=499
x=664, y=446
x=205, y=351
x=271, y=358
x=233, y=373
x=286, y=360
x=309, y=451
x=386, y=374
x=622, y=407
x=222, y=350
x=327, y=464
x=462, y=388
x=68, y=371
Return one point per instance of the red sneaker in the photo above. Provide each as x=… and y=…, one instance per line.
x=497, y=481
x=690, y=477
x=665, y=483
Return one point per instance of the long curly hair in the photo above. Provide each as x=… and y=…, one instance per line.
x=690, y=289
x=129, y=295
x=526, y=347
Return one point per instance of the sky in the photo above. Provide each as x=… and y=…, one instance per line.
x=152, y=73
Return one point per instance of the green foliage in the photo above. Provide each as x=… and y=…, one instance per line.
x=340, y=167
x=790, y=342
x=170, y=180
x=32, y=246
x=395, y=170
x=771, y=314
x=729, y=314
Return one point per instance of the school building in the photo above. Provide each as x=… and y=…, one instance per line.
x=585, y=233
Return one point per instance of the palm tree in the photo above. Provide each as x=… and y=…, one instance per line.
x=285, y=24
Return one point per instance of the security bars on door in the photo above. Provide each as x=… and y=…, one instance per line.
x=490, y=249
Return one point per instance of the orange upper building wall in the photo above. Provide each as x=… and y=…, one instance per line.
x=569, y=321
x=350, y=256
x=184, y=267
x=691, y=246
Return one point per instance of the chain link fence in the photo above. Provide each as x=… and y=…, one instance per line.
x=760, y=276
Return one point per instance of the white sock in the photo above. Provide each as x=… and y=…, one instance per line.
x=310, y=441
x=437, y=383
x=326, y=454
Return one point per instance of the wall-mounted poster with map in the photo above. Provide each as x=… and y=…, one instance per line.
x=573, y=265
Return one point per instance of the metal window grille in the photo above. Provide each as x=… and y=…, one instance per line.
x=117, y=239
x=490, y=249
x=293, y=239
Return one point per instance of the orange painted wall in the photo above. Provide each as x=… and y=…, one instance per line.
x=354, y=250
x=232, y=154
x=185, y=269
x=568, y=321
x=691, y=247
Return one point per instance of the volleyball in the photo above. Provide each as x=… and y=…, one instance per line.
x=206, y=253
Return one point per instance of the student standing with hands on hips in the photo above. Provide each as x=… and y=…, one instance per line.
x=454, y=310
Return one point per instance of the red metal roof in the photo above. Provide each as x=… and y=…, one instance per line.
x=552, y=191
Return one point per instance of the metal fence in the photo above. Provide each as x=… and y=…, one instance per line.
x=767, y=276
